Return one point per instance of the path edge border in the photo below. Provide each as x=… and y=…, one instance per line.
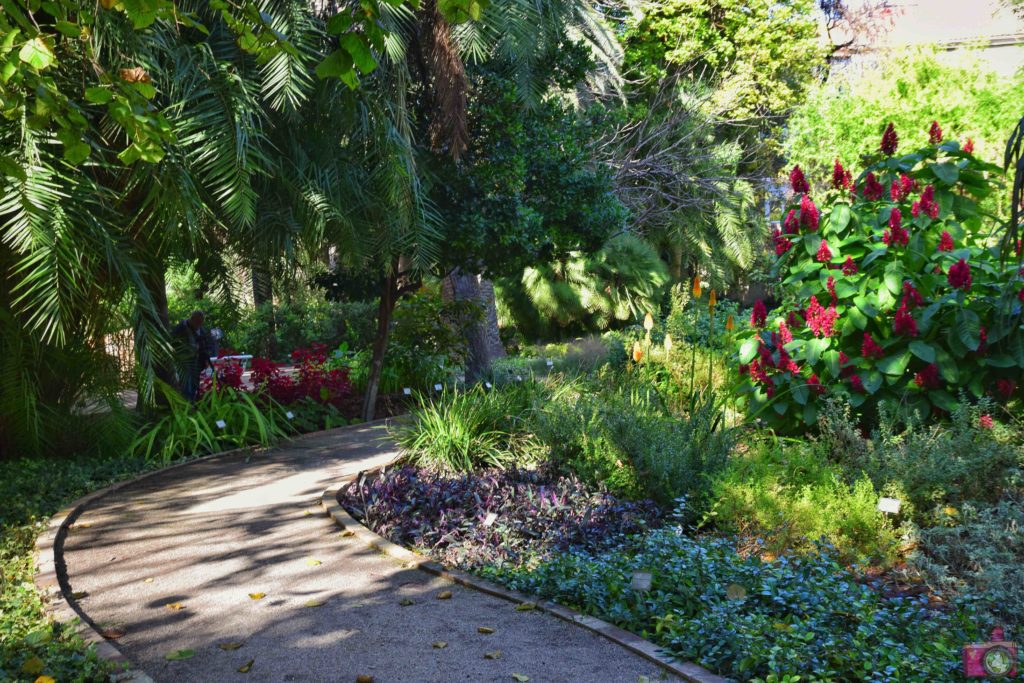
x=50, y=576
x=688, y=671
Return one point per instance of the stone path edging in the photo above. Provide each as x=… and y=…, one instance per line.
x=51, y=577
x=686, y=670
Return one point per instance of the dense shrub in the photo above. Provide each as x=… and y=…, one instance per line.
x=313, y=380
x=933, y=467
x=979, y=554
x=788, y=494
x=270, y=331
x=629, y=440
x=536, y=511
x=892, y=295
x=744, y=617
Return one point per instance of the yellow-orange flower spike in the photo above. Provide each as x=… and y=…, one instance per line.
x=648, y=322
x=729, y=324
x=668, y=342
x=712, y=299
x=638, y=352
x=696, y=288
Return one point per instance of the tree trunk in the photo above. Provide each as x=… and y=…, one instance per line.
x=388, y=296
x=483, y=342
x=677, y=262
x=155, y=282
x=263, y=301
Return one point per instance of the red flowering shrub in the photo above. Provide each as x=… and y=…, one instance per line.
x=897, y=296
x=311, y=379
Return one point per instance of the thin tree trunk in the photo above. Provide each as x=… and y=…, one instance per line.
x=155, y=282
x=263, y=301
x=483, y=342
x=677, y=262
x=388, y=296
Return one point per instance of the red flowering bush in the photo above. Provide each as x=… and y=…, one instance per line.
x=312, y=379
x=897, y=296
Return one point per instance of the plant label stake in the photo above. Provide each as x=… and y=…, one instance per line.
x=222, y=424
x=290, y=415
x=489, y=519
x=488, y=385
x=519, y=378
x=437, y=387
x=550, y=362
x=641, y=582
x=889, y=505
x=407, y=391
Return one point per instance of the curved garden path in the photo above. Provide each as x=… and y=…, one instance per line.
x=202, y=537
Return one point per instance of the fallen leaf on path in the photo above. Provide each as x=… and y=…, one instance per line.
x=493, y=655
x=522, y=678
x=405, y=602
x=247, y=667
x=313, y=562
x=149, y=580
x=112, y=633
x=314, y=603
x=308, y=513
x=179, y=655
x=230, y=646
x=33, y=665
x=78, y=595
x=346, y=534
x=526, y=607
x=257, y=596
x=45, y=679
x=444, y=595
x=83, y=525
x=486, y=630
x=174, y=605
x=363, y=678
x=440, y=645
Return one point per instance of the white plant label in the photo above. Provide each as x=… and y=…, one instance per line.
x=550, y=362
x=222, y=424
x=641, y=581
x=488, y=385
x=489, y=519
x=290, y=415
x=519, y=378
x=437, y=387
x=407, y=391
x=890, y=505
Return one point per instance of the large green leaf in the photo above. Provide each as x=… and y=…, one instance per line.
x=968, y=328
x=895, y=364
x=923, y=350
x=37, y=54
x=840, y=217
x=947, y=172
x=748, y=349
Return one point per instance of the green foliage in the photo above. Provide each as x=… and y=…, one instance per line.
x=622, y=281
x=629, y=440
x=979, y=554
x=750, y=619
x=788, y=494
x=910, y=90
x=274, y=331
x=192, y=429
x=917, y=320
x=935, y=468
x=461, y=431
x=759, y=56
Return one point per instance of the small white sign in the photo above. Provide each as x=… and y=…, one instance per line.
x=550, y=362
x=519, y=378
x=641, y=581
x=290, y=415
x=890, y=505
x=222, y=424
x=489, y=519
x=488, y=385
x=407, y=391
x=438, y=387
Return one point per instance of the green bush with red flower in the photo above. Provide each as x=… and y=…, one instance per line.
x=895, y=293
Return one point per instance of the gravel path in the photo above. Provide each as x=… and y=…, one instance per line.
x=176, y=560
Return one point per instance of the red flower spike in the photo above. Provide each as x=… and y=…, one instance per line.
x=1005, y=388
x=821, y=321
x=934, y=134
x=890, y=141
x=904, y=323
x=985, y=422
x=849, y=267
x=896, y=235
x=824, y=253
x=841, y=178
x=927, y=205
x=784, y=334
x=911, y=295
x=792, y=223
x=869, y=348
x=830, y=285
x=857, y=384
x=815, y=385
x=759, y=315
x=946, y=241
x=782, y=245
x=798, y=181
x=928, y=377
x=969, y=146
x=873, y=189
x=959, y=276
x=809, y=215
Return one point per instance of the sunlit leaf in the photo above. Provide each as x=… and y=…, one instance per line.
x=444, y=595
x=247, y=667
x=229, y=646
x=257, y=596
x=179, y=655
